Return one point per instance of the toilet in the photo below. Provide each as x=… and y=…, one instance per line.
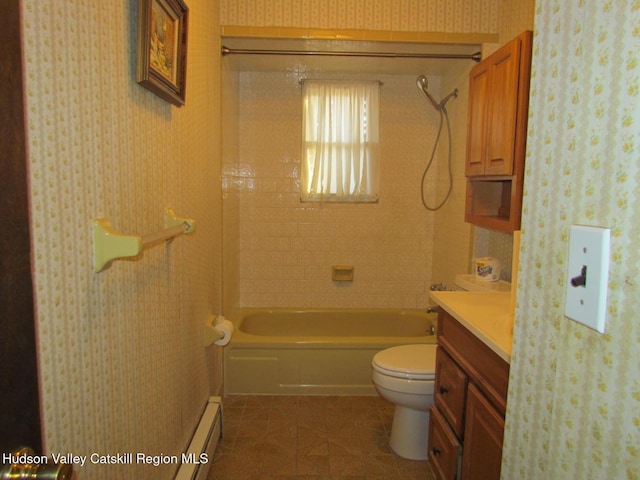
x=405, y=376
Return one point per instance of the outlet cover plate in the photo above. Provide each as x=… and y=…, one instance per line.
x=588, y=247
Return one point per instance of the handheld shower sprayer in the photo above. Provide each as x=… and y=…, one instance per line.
x=423, y=85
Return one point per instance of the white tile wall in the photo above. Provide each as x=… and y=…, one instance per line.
x=286, y=248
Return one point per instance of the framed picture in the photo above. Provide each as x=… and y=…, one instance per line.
x=162, y=48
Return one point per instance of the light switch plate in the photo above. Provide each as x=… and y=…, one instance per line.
x=587, y=275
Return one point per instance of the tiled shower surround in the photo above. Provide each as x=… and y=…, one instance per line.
x=287, y=247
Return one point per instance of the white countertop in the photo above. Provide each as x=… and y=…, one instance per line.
x=485, y=314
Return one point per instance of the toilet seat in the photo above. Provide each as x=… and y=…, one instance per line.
x=411, y=362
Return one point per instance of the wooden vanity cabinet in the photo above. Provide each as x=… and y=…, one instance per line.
x=483, y=443
x=444, y=447
x=470, y=401
x=450, y=391
x=496, y=135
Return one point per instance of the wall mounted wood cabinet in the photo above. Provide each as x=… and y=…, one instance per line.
x=496, y=135
x=466, y=427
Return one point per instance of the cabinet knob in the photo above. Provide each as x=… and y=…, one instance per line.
x=443, y=389
x=436, y=451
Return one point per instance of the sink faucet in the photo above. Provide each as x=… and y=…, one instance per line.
x=432, y=328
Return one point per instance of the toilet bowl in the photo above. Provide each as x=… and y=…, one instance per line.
x=405, y=376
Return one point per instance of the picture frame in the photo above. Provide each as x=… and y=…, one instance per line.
x=162, y=48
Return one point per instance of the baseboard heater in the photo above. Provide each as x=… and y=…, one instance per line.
x=196, y=461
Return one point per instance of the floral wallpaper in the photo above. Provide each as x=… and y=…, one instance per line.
x=118, y=358
x=465, y=16
x=574, y=397
x=122, y=366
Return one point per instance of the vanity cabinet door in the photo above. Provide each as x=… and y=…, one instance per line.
x=477, y=126
x=478, y=362
x=450, y=391
x=483, y=441
x=502, y=110
x=494, y=111
x=444, y=447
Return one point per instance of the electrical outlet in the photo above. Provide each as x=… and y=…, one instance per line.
x=587, y=276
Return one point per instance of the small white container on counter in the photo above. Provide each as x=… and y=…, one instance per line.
x=488, y=269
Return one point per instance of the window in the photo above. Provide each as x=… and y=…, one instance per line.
x=340, y=141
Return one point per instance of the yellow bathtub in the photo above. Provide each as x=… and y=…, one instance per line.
x=315, y=351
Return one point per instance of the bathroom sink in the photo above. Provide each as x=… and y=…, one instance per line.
x=485, y=313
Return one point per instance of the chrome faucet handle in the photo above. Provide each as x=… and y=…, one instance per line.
x=438, y=287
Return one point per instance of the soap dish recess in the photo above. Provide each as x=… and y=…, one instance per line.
x=342, y=273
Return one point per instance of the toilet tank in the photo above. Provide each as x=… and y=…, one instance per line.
x=469, y=282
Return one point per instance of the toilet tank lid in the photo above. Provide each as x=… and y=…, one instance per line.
x=417, y=359
x=468, y=281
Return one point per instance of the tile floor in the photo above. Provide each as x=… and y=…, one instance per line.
x=310, y=437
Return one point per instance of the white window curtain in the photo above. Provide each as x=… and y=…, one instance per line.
x=340, y=141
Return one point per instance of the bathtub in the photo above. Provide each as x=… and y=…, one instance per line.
x=315, y=352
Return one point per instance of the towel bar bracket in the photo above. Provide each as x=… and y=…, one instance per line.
x=109, y=244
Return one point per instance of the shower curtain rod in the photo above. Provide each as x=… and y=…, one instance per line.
x=453, y=56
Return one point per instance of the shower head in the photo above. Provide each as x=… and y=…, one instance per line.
x=423, y=84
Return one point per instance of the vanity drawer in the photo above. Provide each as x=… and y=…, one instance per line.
x=450, y=391
x=444, y=447
x=485, y=368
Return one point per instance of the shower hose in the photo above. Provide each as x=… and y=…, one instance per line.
x=444, y=118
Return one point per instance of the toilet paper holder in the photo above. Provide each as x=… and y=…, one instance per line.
x=212, y=334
